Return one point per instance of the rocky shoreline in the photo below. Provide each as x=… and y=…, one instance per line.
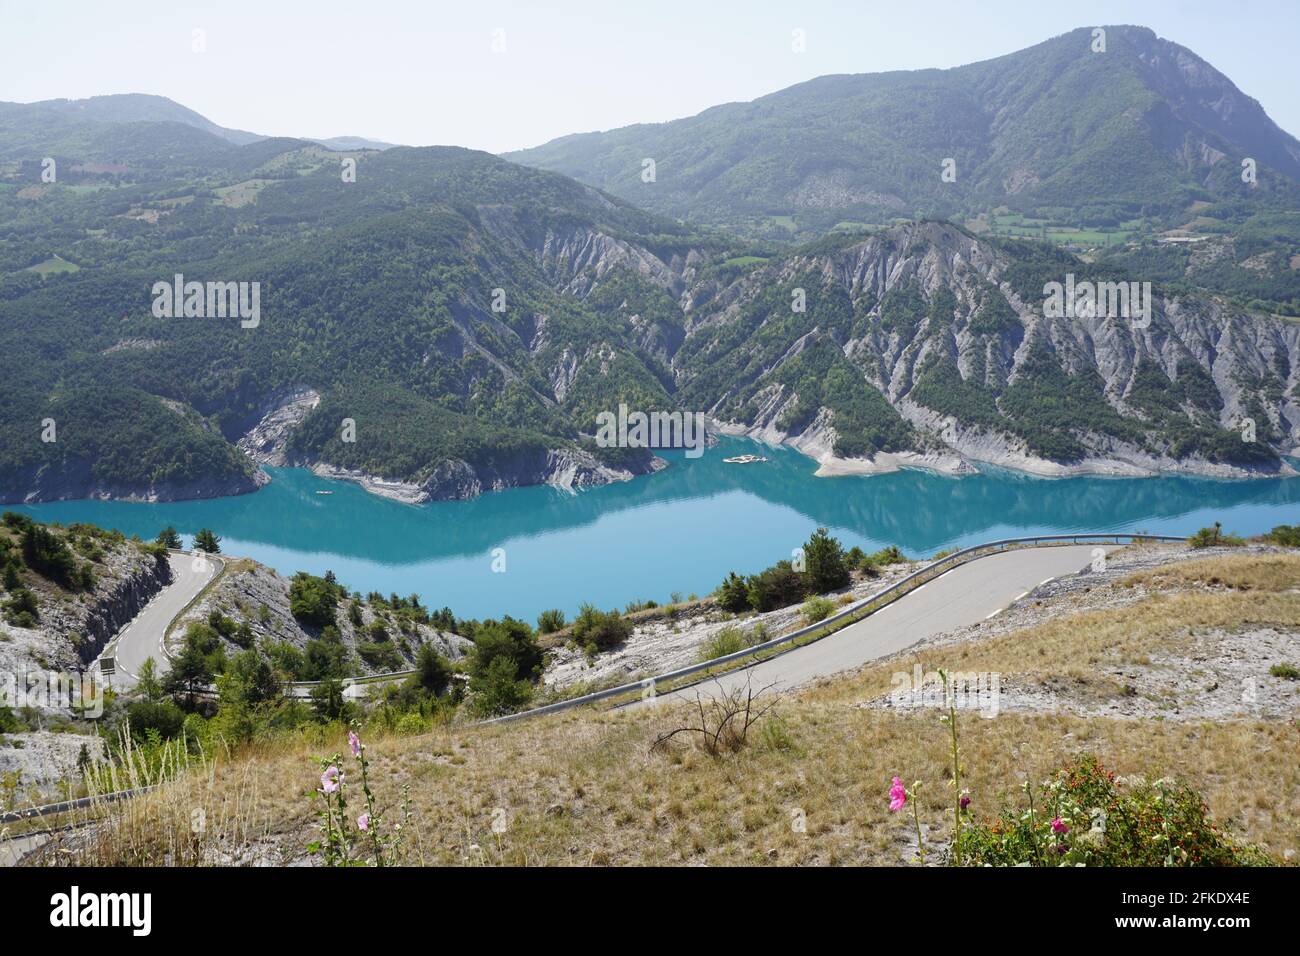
x=455, y=480
x=960, y=452
x=451, y=480
x=972, y=451
x=77, y=484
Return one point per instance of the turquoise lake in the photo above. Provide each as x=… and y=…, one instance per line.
x=681, y=529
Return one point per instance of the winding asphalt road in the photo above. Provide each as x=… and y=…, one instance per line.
x=142, y=637
x=967, y=594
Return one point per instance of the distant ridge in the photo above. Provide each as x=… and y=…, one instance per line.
x=147, y=108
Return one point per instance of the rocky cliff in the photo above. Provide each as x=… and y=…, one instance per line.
x=926, y=345
x=377, y=638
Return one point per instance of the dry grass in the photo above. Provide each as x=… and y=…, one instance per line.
x=587, y=788
x=1266, y=572
x=1075, y=647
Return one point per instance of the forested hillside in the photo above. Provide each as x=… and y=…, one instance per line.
x=1062, y=131
x=451, y=323
x=430, y=300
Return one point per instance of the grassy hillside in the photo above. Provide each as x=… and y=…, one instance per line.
x=1095, y=670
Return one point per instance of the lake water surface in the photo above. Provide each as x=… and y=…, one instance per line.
x=680, y=530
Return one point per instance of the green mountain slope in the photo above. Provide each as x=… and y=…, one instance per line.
x=1144, y=128
x=451, y=323
x=431, y=300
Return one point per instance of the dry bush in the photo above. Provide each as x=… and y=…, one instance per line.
x=722, y=725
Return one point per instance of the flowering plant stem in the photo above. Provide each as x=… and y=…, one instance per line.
x=373, y=819
x=950, y=697
x=916, y=819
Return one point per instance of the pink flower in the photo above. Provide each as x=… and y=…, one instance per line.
x=964, y=801
x=897, y=795
x=355, y=743
x=1060, y=826
x=363, y=821
x=329, y=780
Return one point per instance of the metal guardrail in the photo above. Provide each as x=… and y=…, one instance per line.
x=67, y=806
x=862, y=608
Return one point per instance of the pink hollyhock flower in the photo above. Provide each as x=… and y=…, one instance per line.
x=897, y=795
x=363, y=821
x=355, y=743
x=1060, y=826
x=329, y=780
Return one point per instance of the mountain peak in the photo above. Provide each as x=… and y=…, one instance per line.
x=1143, y=126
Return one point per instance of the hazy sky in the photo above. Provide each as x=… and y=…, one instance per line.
x=424, y=71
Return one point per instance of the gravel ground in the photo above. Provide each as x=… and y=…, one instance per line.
x=1224, y=675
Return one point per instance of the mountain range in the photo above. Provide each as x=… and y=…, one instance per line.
x=437, y=322
x=1146, y=127
x=84, y=121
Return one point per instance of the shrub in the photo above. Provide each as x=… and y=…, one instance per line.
x=382, y=656
x=163, y=717
x=9, y=723
x=887, y=556
x=1214, y=538
x=778, y=586
x=15, y=521
x=22, y=609
x=726, y=641
x=243, y=635
x=817, y=609
x=1285, y=671
x=497, y=691
x=1081, y=816
x=412, y=724
x=223, y=625
x=288, y=659
x=1287, y=535
x=600, y=630
x=510, y=640
x=326, y=657
x=733, y=594
x=47, y=554
x=825, y=566
x=548, y=622
x=432, y=672
x=312, y=600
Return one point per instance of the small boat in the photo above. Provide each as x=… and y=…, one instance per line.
x=324, y=492
x=744, y=459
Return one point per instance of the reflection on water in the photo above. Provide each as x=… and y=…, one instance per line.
x=679, y=530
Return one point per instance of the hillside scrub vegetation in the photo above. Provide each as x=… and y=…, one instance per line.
x=588, y=786
x=826, y=567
